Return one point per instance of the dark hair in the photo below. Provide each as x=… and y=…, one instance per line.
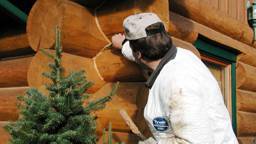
x=155, y=45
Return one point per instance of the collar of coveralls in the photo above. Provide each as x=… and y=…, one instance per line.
x=168, y=56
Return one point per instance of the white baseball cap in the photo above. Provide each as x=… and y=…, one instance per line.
x=135, y=25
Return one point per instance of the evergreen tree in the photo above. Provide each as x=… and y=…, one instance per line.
x=60, y=117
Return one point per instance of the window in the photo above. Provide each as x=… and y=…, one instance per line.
x=222, y=72
x=222, y=63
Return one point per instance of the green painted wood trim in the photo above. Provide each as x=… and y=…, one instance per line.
x=207, y=47
x=233, y=93
x=14, y=10
x=227, y=56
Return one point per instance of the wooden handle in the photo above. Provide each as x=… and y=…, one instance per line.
x=131, y=124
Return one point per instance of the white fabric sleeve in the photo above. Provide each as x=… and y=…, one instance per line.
x=127, y=51
x=188, y=117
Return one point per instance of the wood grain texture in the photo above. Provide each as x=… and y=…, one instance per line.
x=248, y=58
x=214, y=4
x=247, y=140
x=14, y=45
x=212, y=18
x=4, y=135
x=8, y=102
x=112, y=13
x=246, y=77
x=13, y=72
x=214, y=35
x=39, y=64
x=246, y=101
x=232, y=8
x=223, y=5
x=241, y=11
x=83, y=30
x=125, y=98
x=80, y=34
x=246, y=123
x=113, y=66
x=107, y=66
x=182, y=28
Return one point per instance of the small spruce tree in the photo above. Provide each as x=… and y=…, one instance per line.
x=60, y=117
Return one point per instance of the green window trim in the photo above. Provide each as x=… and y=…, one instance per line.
x=14, y=10
x=217, y=51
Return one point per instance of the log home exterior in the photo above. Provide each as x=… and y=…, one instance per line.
x=215, y=30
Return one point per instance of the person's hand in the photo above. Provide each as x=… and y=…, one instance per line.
x=148, y=141
x=117, y=40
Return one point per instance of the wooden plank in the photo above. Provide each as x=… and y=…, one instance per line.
x=246, y=101
x=241, y=11
x=125, y=98
x=223, y=6
x=13, y=72
x=246, y=123
x=232, y=8
x=246, y=77
x=8, y=102
x=14, y=45
x=214, y=4
x=212, y=18
x=247, y=140
x=4, y=135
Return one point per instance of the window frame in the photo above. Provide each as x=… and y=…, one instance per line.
x=227, y=55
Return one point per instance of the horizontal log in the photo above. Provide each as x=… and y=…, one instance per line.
x=125, y=98
x=246, y=101
x=205, y=14
x=113, y=66
x=182, y=28
x=216, y=36
x=83, y=32
x=246, y=123
x=247, y=140
x=14, y=45
x=13, y=72
x=246, y=77
x=248, y=58
x=186, y=45
x=8, y=102
x=4, y=135
x=39, y=64
x=118, y=137
x=80, y=34
x=112, y=13
x=107, y=66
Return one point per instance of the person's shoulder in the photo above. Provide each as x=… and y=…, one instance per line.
x=184, y=51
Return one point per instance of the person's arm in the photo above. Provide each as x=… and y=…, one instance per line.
x=119, y=42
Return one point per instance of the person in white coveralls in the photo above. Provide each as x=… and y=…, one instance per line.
x=185, y=104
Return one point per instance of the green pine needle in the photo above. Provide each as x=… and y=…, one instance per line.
x=60, y=117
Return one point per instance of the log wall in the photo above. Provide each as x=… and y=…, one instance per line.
x=233, y=8
x=86, y=34
x=246, y=99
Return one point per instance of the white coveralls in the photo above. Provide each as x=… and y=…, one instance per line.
x=185, y=104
